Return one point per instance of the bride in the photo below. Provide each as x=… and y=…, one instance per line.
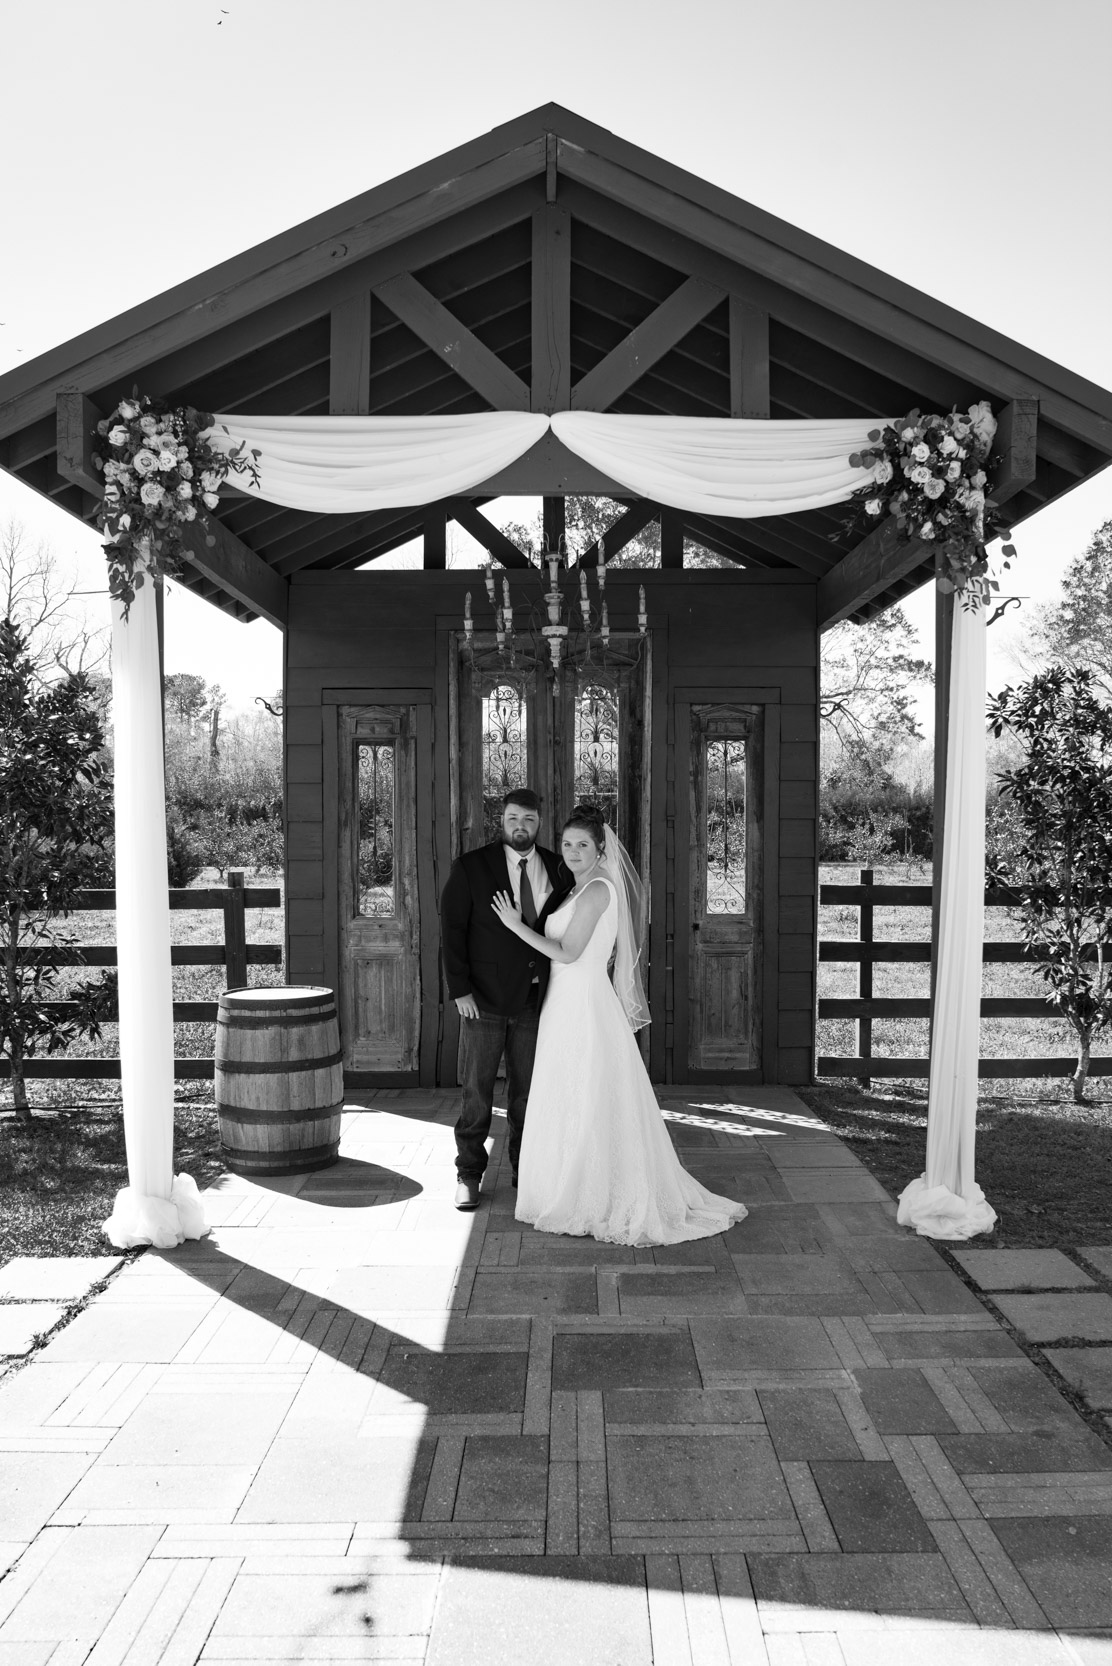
x=595, y=1155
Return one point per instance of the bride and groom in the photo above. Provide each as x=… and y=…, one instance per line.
x=542, y=955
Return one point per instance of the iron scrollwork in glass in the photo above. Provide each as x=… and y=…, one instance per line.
x=375, y=858
x=596, y=759
x=505, y=750
x=725, y=826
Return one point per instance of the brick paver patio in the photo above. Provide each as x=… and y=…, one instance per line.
x=354, y=1424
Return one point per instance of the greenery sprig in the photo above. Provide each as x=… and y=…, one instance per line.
x=929, y=473
x=160, y=474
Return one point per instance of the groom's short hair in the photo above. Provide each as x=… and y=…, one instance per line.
x=525, y=797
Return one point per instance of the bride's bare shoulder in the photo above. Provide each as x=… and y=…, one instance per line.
x=597, y=893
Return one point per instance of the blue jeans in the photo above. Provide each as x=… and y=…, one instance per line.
x=483, y=1040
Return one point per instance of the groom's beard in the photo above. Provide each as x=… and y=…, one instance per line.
x=523, y=843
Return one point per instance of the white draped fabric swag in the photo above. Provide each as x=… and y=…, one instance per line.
x=340, y=465
x=154, y=1207
x=946, y=1201
x=357, y=464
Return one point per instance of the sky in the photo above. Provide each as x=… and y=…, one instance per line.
x=962, y=147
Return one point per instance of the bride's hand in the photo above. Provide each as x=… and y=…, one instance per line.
x=506, y=909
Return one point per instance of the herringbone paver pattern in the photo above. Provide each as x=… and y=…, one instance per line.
x=354, y=1424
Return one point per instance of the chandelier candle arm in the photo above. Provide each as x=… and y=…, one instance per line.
x=642, y=611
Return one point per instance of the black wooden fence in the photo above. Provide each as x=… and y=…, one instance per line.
x=865, y=1007
x=235, y=953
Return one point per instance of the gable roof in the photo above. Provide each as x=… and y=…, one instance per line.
x=270, y=332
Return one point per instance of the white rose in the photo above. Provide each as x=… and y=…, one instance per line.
x=921, y=452
x=148, y=424
x=948, y=445
x=111, y=470
x=129, y=410
x=189, y=511
x=983, y=422
x=953, y=471
x=210, y=480
x=873, y=506
x=927, y=529
x=144, y=461
x=186, y=470
x=934, y=488
x=979, y=479
x=183, y=453
x=908, y=433
x=151, y=492
x=117, y=435
x=883, y=471
x=185, y=489
x=167, y=460
x=921, y=475
x=211, y=500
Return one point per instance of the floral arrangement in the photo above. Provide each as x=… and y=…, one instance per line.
x=929, y=472
x=160, y=473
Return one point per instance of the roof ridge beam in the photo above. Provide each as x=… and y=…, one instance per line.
x=643, y=346
x=441, y=330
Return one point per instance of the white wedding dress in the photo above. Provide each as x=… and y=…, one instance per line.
x=596, y=1159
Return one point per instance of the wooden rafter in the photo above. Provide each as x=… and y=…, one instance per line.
x=484, y=531
x=349, y=376
x=644, y=345
x=439, y=329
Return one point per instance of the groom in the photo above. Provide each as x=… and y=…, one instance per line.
x=496, y=980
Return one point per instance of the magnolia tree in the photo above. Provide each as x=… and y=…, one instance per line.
x=55, y=820
x=1058, y=859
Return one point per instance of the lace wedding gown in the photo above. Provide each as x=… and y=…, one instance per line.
x=596, y=1159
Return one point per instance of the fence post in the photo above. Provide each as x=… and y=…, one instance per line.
x=865, y=980
x=235, y=930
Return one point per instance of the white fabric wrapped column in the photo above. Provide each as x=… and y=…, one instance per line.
x=946, y=1201
x=154, y=1208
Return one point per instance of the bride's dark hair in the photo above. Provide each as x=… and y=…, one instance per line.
x=591, y=819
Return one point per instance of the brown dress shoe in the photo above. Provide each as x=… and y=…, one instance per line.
x=467, y=1194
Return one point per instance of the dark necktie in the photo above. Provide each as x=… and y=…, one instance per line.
x=528, y=906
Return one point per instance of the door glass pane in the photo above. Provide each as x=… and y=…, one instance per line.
x=724, y=764
x=596, y=749
x=505, y=759
x=375, y=859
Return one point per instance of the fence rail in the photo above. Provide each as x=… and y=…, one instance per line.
x=235, y=953
x=864, y=1007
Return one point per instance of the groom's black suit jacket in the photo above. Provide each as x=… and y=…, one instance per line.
x=482, y=957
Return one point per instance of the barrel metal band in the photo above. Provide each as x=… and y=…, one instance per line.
x=245, y=1116
x=276, y=1067
x=288, y=1021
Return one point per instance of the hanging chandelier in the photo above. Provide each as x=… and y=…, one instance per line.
x=551, y=622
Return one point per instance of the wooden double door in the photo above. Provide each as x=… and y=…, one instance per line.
x=585, y=737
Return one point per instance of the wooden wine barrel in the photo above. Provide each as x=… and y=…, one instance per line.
x=279, y=1079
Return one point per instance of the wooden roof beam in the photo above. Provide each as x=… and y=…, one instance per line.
x=550, y=378
x=440, y=330
x=882, y=559
x=491, y=537
x=645, y=344
x=636, y=518
x=227, y=562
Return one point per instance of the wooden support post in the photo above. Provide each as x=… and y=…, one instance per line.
x=554, y=524
x=436, y=538
x=160, y=624
x=865, y=979
x=235, y=930
x=349, y=373
x=943, y=639
x=550, y=380
x=749, y=376
x=671, y=538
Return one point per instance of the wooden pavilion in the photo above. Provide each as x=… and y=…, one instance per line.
x=550, y=266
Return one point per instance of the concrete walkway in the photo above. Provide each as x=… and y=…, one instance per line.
x=354, y=1424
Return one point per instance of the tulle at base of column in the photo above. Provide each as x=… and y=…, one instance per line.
x=937, y=1212
x=161, y=1222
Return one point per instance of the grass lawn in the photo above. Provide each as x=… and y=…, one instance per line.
x=1044, y=1163
x=60, y=1175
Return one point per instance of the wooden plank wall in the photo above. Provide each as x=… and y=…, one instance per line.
x=718, y=635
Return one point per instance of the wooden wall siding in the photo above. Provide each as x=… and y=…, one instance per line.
x=729, y=635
